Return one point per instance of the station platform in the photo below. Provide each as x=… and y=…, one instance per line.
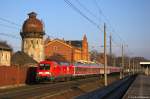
x=140, y=88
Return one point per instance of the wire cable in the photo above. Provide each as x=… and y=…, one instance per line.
x=10, y=22
x=81, y=13
x=86, y=9
x=9, y=35
x=7, y=26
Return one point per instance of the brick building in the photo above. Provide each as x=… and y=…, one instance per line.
x=69, y=50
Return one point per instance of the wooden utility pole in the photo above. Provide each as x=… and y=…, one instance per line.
x=105, y=57
x=110, y=59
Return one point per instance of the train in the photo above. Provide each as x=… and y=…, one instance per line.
x=52, y=70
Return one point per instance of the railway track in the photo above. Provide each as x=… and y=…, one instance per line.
x=114, y=91
x=44, y=90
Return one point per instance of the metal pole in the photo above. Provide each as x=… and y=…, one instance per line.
x=105, y=57
x=122, y=71
x=129, y=67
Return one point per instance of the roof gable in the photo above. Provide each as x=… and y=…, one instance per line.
x=59, y=41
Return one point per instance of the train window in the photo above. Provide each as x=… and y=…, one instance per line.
x=44, y=66
x=64, y=63
x=41, y=64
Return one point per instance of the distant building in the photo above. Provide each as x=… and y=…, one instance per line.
x=32, y=37
x=70, y=50
x=5, y=54
x=145, y=68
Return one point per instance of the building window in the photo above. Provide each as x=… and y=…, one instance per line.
x=37, y=42
x=31, y=41
x=55, y=48
x=34, y=46
x=32, y=55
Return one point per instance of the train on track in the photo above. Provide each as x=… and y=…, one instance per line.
x=52, y=70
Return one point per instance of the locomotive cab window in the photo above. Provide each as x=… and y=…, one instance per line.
x=44, y=66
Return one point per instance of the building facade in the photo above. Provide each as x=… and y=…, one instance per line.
x=70, y=50
x=5, y=54
x=32, y=37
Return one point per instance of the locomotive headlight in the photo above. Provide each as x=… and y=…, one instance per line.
x=47, y=73
x=40, y=73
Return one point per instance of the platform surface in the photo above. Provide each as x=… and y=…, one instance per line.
x=140, y=88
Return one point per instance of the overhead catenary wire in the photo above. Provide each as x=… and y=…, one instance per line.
x=86, y=9
x=82, y=14
x=10, y=22
x=106, y=18
x=10, y=35
x=7, y=26
x=112, y=28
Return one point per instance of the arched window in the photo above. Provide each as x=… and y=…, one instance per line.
x=31, y=41
x=37, y=42
x=6, y=56
x=55, y=48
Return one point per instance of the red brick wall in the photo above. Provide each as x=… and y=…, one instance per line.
x=13, y=75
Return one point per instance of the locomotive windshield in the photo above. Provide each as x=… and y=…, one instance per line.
x=44, y=66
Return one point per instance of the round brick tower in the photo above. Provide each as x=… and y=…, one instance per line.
x=32, y=37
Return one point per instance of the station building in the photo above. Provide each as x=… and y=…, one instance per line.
x=67, y=50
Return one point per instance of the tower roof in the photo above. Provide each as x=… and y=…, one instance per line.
x=84, y=37
x=32, y=27
x=32, y=24
x=32, y=15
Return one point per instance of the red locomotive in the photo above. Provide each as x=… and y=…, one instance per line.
x=51, y=70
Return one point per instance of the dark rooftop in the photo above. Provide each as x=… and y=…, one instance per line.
x=75, y=43
x=21, y=58
x=5, y=46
